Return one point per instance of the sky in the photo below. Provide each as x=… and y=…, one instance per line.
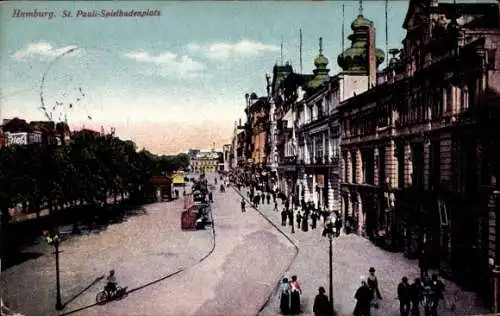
x=170, y=81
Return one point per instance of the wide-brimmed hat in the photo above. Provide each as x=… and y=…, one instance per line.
x=372, y=269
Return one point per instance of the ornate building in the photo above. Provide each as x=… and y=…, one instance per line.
x=317, y=132
x=417, y=148
x=259, y=120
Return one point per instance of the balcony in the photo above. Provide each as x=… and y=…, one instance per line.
x=292, y=160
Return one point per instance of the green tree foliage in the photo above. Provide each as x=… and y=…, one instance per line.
x=90, y=168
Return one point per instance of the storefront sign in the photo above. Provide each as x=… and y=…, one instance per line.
x=16, y=138
x=320, y=180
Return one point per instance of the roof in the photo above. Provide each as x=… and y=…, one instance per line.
x=16, y=125
x=43, y=126
x=488, y=10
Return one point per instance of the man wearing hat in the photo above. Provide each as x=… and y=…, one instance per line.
x=372, y=282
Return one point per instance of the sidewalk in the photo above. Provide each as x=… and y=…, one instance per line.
x=352, y=257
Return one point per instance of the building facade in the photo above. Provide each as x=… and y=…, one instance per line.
x=415, y=151
x=205, y=161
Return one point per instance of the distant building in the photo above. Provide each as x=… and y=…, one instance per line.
x=226, y=151
x=18, y=132
x=205, y=161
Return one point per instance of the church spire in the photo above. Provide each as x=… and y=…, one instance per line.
x=360, y=7
x=321, y=45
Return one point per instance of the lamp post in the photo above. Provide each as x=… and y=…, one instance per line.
x=329, y=231
x=54, y=241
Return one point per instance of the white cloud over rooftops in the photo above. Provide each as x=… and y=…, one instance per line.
x=222, y=50
x=168, y=63
x=42, y=50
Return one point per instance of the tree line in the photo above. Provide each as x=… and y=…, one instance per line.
x=89, y=169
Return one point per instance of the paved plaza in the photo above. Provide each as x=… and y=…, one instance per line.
x=235, y=279
x=352, y=257
x=142, y=249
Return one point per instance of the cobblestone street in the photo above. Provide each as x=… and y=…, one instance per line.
x=352, y=257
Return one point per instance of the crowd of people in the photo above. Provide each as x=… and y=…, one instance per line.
x=302, y=214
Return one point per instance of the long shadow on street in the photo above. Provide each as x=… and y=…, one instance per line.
x=73, y=222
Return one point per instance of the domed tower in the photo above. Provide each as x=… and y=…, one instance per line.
x=321, y=72
x=356, y=58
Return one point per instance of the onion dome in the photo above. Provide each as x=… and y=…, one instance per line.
x=355, y=58
x=321, y=72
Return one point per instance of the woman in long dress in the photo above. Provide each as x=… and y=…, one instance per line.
x=295, y=296
x=285, y=297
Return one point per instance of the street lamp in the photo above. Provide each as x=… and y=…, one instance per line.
x=330, y=232
x=55, y=240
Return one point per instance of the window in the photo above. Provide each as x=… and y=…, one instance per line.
x=401, y=165
x=449, y=99
x=464, y=98
x=472, y=91
x=381, y=165
x=320, y=110
x=436, y=104
x=319, y=147
x=353, y=168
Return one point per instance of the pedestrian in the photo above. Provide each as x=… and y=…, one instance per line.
x=416, y=296
x=372, y=282
x=290, y=217
x=438, y=288
x=263, y=197
x=275, y=205
x=314, y=218
x=423, y=263
x=305, y=222
x=210, y=197
x=325, y=215
x=285, y=297
x=298, y=218
x=283, y=217
x=338, y=223
x=287, y=204
x=268, y=198
x=322, y=305
x=296, y=291
x=363, y=298
x=404, y=297
x=243, y=204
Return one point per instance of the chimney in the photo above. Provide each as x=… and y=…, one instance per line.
x=372, y=58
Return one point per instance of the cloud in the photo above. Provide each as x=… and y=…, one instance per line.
x=41, y=50
x=224, y=50
x=168, y=64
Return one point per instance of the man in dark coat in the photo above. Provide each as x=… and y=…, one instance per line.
x=404, y=296
x=321, y=305
x=415, y=296
x=283, y=217
x=268, y=198
x=290, y=217
x=314, y=218
x=305, y=222
x=298, y=217
x=275, y=205
x=363, y=298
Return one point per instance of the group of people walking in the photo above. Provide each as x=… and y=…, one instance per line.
x=290, y=296
x=427, y=292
